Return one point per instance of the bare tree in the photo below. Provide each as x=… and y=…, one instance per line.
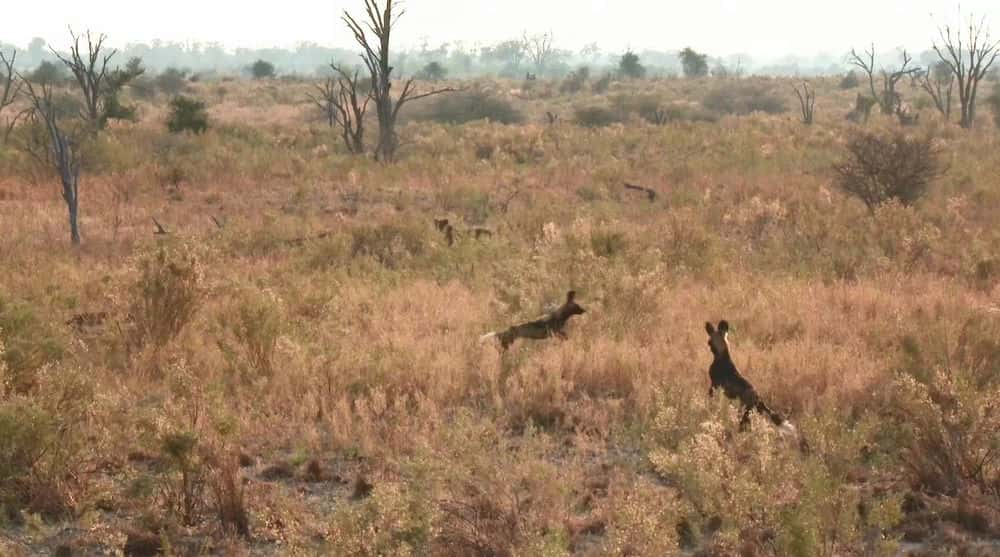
x=379, y=21
x=867, y=65
x=888, y=98
x=344, y=105
x=939, y=82
x=969, y=57
x=48, y=142
x=90, y=70
x=807, y=102
x=10, y=86
x=540, y=49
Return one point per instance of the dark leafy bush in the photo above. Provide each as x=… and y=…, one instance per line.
x=262, y=69
x=459, y=108
x=879, y=168
x=629, y=66
x=743, y=98
x=433, y=71
x=49, y=73
x=187, y=114
x=850, y=80
x=694, y=63
x=171, y=81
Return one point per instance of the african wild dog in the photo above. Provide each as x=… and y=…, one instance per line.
x=724, y=375
x=546, y=327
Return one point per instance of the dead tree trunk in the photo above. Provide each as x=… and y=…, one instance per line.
x=969, y=57
x=51, y=145
x=376, y=57
x=807, y=102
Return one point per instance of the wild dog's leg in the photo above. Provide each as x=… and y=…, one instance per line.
x=560, y=334
x=745, y=420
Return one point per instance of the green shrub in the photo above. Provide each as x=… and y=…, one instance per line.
x=741, y=98
x=29, y=345
x=459, y=108
x=187, y=114
x=596, y=116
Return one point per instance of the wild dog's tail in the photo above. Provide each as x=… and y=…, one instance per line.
x=487, y=337
x=775, y=417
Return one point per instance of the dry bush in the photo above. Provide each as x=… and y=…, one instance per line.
x=167, y=293
x=946, y=403
x=255, y=322
x=595, y=116
x=229, y=493
x=758, y=491
x=462, y=107
x=879, y=168
x=389, y=244
x=44, y=455
x=741, y=98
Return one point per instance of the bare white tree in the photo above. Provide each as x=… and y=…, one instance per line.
x=379, y=21
x=969, y=54
x=49, y=142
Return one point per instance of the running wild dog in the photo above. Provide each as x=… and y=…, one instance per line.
x=725, y=376
x=549, y=326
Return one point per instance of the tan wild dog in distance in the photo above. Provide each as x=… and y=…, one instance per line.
x=547, y=327
x=725, y=376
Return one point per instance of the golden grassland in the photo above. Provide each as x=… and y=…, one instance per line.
x=306, y=378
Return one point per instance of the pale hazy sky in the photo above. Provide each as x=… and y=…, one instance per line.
x=765, y=28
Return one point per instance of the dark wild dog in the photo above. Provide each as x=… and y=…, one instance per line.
x=725, y=376
x=546, y=327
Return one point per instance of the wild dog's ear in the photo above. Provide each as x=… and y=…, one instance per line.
x=570, y=296
x=724, y=326
x=709, y=328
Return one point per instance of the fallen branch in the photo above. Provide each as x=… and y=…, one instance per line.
x=651, y=194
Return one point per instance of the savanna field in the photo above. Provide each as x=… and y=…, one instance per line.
x=294, y=367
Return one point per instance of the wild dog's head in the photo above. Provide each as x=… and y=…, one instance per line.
x=571, y=308
x=717, y=341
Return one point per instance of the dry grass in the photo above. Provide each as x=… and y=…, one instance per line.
x=327, y=331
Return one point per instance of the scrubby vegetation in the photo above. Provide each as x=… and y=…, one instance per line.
x=287, y=360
